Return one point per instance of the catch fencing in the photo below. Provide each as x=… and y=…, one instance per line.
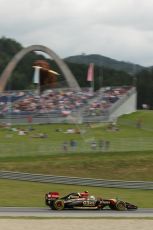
x=146, y=185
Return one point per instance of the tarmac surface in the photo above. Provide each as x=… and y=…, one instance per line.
x=46, y=212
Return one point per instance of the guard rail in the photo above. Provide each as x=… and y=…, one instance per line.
x=148, y=185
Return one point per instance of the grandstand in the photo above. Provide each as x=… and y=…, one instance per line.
x=65, y=105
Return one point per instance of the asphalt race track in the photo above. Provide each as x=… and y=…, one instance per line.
x=46, y=212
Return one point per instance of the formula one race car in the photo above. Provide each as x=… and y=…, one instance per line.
x=83, y=200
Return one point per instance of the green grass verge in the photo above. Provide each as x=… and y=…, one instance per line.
x=127, y=138
x=129, y=157
x=31, y=194
x=123, y=166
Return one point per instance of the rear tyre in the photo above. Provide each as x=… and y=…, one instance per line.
x=120, y=206
x=58, y=205
x=51, y=205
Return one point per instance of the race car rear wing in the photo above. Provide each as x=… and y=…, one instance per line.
x=53, y=195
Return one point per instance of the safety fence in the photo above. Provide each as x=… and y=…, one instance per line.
x=86, y=143
x=146, y=185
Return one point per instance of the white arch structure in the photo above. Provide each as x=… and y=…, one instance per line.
x=15, y=60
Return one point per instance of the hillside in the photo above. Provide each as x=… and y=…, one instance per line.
x=107, y=71
x=107, y=62
x=23, y=73
x=129, y=155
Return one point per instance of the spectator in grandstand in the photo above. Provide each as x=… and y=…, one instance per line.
x=101, y=145
x=31, y=128
x=14, y=129
x=93, y=145
x=139, y=123
x=77, y=130
x=73, y=144
x=43, y=135
x=57, y=101
x=58, y=130
x=65, y=146
x=145, y=106
x=107, y=145
x=29, y=119
x=22, y=132
x=112, y=127
x=70, y=131
x=40, y=135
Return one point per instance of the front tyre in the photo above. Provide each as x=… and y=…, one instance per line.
x=120, y=206
x=58, y=205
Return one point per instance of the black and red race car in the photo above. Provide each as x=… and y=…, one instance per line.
x=83, y=200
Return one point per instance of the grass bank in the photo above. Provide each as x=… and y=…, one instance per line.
x=129, y=157
x=116, y=165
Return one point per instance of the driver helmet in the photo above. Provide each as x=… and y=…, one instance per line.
x=84, y=194
x=92, y=197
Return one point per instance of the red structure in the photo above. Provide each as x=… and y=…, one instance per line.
x=48, y=77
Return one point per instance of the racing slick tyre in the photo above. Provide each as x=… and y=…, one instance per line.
x=58, y=205
x=120, y=206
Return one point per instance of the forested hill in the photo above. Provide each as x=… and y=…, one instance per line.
x=22, y=75
x=106, y=62
x=107, y=71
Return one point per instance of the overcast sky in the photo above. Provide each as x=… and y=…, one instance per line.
x=119, y=29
